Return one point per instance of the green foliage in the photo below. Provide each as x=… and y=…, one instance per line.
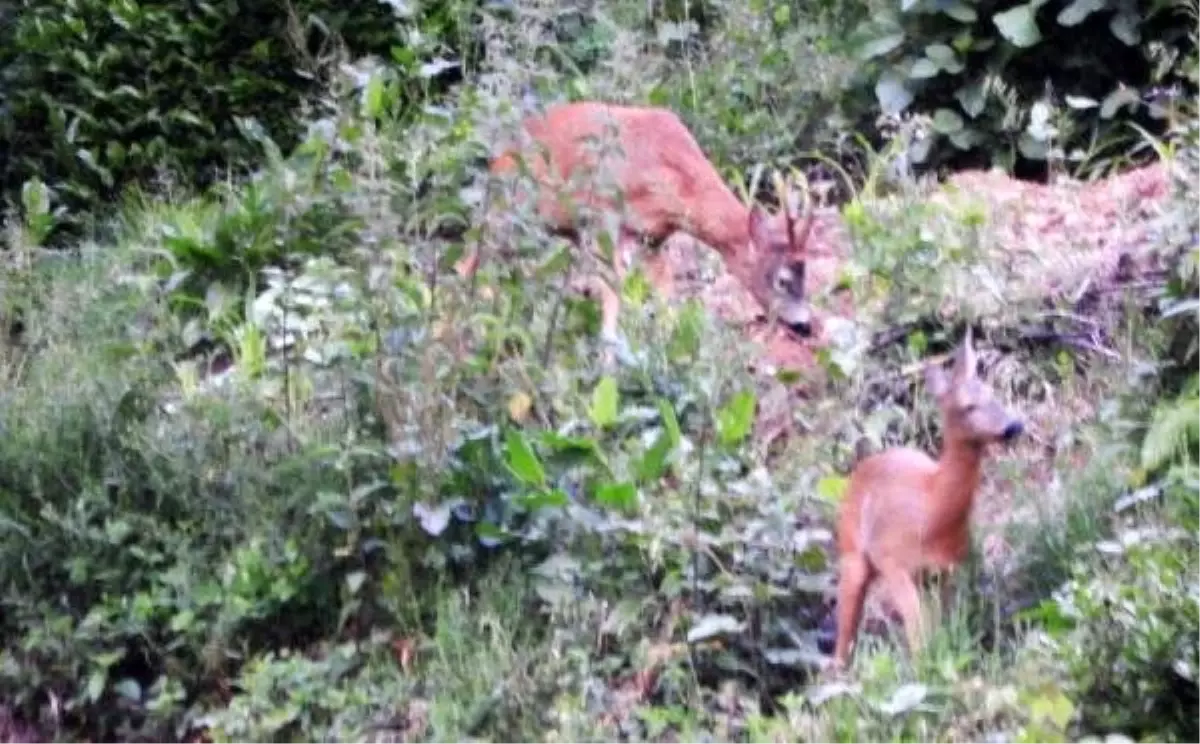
x=1124, y=627
x=100, y=96
x=1045, y=80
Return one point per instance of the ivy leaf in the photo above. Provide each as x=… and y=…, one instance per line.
x=1018, y=26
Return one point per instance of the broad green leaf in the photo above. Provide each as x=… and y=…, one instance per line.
x=1078, y=11
x=1032, y=147
x=923, y=69
x=736, y=418
x=880, y=46
x=670, y=423
x=966, y=138
x=537, y=500
x=972, y=97
x=1018, y=26
x=960, y=11
x=605, y=399
x=654, y=461
x=947, y=121
x=943, y=56
x=1121, y=96
x=622, y=496
x=1124, y=26
x=522, y=460
x=832, y=488
x=891, y=90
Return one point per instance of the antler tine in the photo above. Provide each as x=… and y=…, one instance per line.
x=809, y=219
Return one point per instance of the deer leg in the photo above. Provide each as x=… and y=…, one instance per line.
x=468, y=264
x=902, y=590
x=658, y=271
x=855, y=576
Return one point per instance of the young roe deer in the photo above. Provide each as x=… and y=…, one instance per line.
x=666, y=184
x=904, y=513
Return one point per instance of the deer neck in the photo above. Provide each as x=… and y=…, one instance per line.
x=954, y=484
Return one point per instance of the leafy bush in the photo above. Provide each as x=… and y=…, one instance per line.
x=99, y=95
x=1029, y=84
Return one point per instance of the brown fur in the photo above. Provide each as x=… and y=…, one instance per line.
x=905, y=513
x=666, y=185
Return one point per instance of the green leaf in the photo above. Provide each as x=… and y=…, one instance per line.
x=605, y=399
x=923, y=69
x=1018, y=26
x=880, y=46
x=670, y=423
x=1121, y=97
x=944, y=57
x=653, y=463
x=960, y=12
x=736, y=418
x=1078, y=11
x=947, y=121
x=543, y=499
x=891, y=90
x=711, y=626
x=966, y=138
x=522, y=460
x=832, y=488
x=972, y=97
x=622, y=496
x=1124, y=26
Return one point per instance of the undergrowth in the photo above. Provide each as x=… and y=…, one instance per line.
x=269, y=470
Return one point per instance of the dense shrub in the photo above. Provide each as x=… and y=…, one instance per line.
x=101, y=95
x=1026, y=83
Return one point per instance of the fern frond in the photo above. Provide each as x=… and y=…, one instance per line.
x=1174, y=433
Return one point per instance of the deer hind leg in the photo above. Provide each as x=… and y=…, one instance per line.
x=855, y=576
x=906, y=598
x=659, y=271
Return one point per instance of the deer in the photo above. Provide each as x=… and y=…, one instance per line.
x=665, y=184
x=905, y=513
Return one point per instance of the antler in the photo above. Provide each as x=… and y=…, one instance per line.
x=791, y=209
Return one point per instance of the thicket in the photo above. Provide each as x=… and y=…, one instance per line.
x=386, y=505
x=99, y=96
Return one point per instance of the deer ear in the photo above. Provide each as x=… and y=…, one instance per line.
x=937, y=382
x=964, y=358
x=760, y=230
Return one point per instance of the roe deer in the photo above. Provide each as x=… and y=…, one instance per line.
x=666, y=185
x=903, y=513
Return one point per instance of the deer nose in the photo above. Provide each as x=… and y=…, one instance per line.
x=1012, y=431
x=802, y=328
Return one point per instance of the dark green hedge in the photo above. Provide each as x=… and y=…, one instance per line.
x=96, y=95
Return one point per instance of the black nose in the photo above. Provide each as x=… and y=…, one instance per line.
x=1012, y=431
x=803, y=329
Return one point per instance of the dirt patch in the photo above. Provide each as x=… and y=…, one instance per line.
x=1067, y=237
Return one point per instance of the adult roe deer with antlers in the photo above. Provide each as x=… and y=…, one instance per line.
x=904, y=513
x=666, y=184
